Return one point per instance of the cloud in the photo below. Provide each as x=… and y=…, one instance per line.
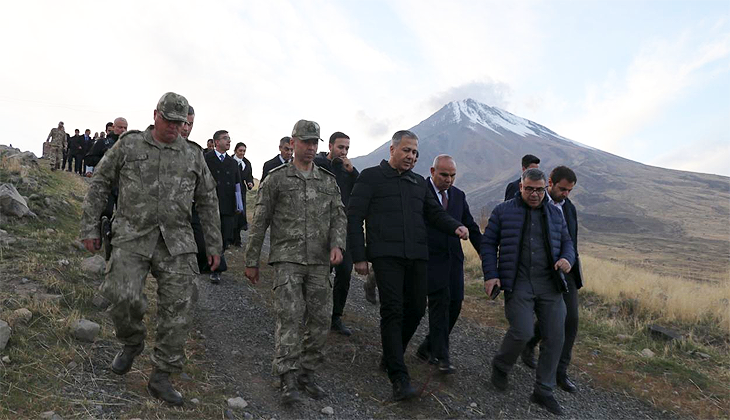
x=660, y=74
x=488, y=92
x=377, y=128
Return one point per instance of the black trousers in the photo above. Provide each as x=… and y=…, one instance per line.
x=443, y=312
x=341, y=287
x=571, y=326
x=228, y=226
x=65, y=161
x=240, y=223
x=78, y=162
x=402, y=286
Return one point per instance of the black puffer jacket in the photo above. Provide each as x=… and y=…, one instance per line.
x=345, y=180
x=393, y=207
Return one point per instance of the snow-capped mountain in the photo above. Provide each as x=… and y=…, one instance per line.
x=616, y=197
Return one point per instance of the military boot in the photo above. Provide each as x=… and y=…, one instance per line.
x=307, y=384
x=122, y=362
x=160, y=387
x=289, y=389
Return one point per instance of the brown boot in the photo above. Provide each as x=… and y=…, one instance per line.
x=160, y=387
x=289, y=389
x=307, y=383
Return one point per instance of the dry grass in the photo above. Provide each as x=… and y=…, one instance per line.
x=671, y=299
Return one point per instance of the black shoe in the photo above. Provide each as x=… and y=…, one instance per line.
x=289, y=389
x=446, y=368
x=160, y=387
x=340, y=328
x=423, y=352
x=215, y=278
x=566, y=384
x=528, y=357
x=306, y=383
x=369, y=287
x=403, y=390
x=123, y=361
x=500, y=379
x=548, y=402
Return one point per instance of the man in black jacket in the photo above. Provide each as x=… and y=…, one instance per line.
x=445, y=265
x=395, y=203
x=284, y=156
x=75, y=147
x=97, y=153
x=336, y=161
x=561, y=183
x=228, y=179
x=513, y=188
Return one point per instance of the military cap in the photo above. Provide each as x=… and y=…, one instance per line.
x=173, y=107
x=306, y=130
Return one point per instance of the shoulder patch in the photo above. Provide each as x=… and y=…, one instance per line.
x=326, y=171
x=278, y=168
x=128, y=132
x=190, y=142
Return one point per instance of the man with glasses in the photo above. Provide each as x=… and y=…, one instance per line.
x=159, y=175
x=526, y=249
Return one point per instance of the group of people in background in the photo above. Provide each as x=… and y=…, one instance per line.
x=81, y=152
x=176, y=201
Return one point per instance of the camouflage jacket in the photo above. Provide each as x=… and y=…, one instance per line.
x=58, y=137
x=157, y=185
x=306, y=216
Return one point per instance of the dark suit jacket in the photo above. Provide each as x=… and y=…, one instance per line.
x=571, y=219
x=513, y=188
x=76, y=145
x=445, y=256
x=246, y=173
x=269, y=165
x=227, y=175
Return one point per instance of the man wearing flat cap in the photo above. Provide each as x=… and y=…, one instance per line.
x=159, y=175
x=301, y=202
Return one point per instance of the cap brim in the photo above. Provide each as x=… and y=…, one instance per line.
x=169, y=117
x=309, y=138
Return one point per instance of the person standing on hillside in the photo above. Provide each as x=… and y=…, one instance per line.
x=302, y=204
x=394, y=203
x=561, y=182
x=75, y=147
x=513, y=188
x=526, y=249
x=445, y=265
x=118, y=127
x=284, y=156
x=159, y=174
x=244, y=167
x=228, y=187
x=336, y=161
x=57, y=138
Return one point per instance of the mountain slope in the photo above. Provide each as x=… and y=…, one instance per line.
x=674, y=221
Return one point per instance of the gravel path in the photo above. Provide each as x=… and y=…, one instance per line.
x=237, y=322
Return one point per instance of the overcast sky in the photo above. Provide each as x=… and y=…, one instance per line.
x=646, y=80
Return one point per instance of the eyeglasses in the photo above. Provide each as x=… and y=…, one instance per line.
x=533, y=190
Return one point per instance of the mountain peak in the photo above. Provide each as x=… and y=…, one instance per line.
x=494, y=119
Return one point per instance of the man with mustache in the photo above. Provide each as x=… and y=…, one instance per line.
x=159, y=174
x=302, y=204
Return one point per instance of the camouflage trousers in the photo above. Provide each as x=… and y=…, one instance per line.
x=301, y=292
x=123, y=286
x=55, y=156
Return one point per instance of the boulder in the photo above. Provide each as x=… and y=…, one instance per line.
x=22, y=315
x=85, y=330
x=6, y=239
x=237, y=403
x=328, y=411
x=5, y=331
x=647, y=353
x=24, y=158
x=12, y=203
x=657, y=331
x=93, y=265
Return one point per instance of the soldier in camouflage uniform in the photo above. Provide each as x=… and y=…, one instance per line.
x=159, y=175
x=58, y=140
x=301, y=202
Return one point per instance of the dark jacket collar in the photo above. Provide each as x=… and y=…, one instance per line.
x=391, y=172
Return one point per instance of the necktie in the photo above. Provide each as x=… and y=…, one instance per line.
x=223, y=157
x=444, y=199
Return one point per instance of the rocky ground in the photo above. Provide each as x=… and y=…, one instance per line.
x=235, y=322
